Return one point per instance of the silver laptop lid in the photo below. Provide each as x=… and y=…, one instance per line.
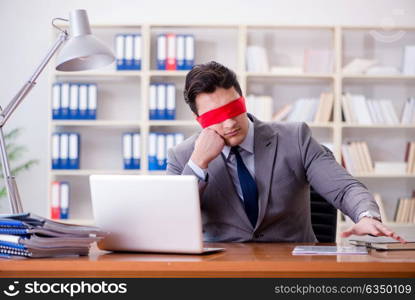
x=148, y=212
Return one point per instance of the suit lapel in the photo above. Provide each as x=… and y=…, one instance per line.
x=218, y=172
x=265, y=146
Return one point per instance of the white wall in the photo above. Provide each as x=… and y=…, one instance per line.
x=26, y=35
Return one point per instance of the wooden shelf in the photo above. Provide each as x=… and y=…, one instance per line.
x=97, y=123
x=378, y=77
x=377, y=126
x=173, y=123
x=100, y=74
x=94, y=172
x=161, y=73
x=282, y=75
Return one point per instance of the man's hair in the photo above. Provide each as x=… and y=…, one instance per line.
x=205, y=78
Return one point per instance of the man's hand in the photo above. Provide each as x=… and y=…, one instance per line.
x=208, y=146
x=373, y=227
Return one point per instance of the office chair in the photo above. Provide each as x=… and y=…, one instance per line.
x=323, y=215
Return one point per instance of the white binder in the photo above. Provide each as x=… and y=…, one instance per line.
x=64, y=150
x=161, y=101
x=171, y=102
x=120, y=51
x=73, y=151
x=83, y=101
x=73, y=102
x=56, y=101
x=65, y=100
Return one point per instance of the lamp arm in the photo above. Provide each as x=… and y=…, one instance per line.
x=10, y=182
x=14, y=103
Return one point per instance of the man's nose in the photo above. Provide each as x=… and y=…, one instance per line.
x=229, y=123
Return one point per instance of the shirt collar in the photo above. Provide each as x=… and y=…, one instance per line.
x=247, y=144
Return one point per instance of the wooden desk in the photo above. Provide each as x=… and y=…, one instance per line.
x=239, y=260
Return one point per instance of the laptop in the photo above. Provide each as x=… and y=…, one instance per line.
x=148, y=213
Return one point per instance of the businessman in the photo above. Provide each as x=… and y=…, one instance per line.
x=255, y=177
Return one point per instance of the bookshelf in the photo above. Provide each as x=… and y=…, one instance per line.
x=123, y=96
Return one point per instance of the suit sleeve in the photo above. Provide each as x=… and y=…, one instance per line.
x=331, y=180
x=174, y=167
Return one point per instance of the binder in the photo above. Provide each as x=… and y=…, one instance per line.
x=127, y=150
x=161, y=52
x=129, y=44
x=137, y=52
x=161, y=102
x=64, y=151
x=83, y=101
x=56, y=151
x=189, y=52
x=153, y=102
x=171, y=102
x=73, y=101
x=56, y=101
x=178, y=138
x=92, y=102
x=180, y=52
x=170, y=142
x=120, y=51
x=152, y=151
x=64, y=197
x=65, y=94
x=161, y=151
x=136, y=151
x=73, y=154
x=55, y=195
x=171, y=52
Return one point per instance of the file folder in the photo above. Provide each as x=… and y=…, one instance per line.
x=55, y=204
x=56, y=151
x=152, y=152
x=161, y=151
x=65, y=94
x=179, y=138
x=64, y=200
x=153, y=102
x=180, y=53
x=170, y=142
x=161, y=101
x=73, y=154
x=171, y=102
x=171, y=52
x=129, y=44
x=128, y=151
x=73, y=102
x=83, y=101
x=120, y=51
x=64, y=150
x=136, y=151
x=56, y=101
x=161, y=52
x=189, y=52
x=92, y=102
x=137, y=52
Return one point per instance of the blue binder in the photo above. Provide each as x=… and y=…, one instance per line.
x=74, y=101
x=161, y=52
x=65, y=97
x=170, y=102
x=136, y=153
x=92, y=101
x=152, y=151
x=83, y=102
x=56, y=151
x=161, y=101
x=120, y=52
x=189, y=52
x=180, y=53
x=127, y=143
x=153, y=102
x=137, y=52
x=56, y=101
x=64, y=199
x=73, y=152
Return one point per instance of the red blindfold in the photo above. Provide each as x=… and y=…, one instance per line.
x=220, y=114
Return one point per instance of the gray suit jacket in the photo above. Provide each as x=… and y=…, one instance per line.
x=287, y=161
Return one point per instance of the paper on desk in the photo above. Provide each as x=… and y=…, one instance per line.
x=328, y=250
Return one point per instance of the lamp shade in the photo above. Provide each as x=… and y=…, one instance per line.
x=82, y=51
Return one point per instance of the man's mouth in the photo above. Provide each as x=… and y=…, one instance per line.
x=232, y=133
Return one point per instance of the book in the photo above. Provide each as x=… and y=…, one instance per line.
x=359, y=65
x=408, y=63
x=256, y=59
x=382, y=243
x=29, y=235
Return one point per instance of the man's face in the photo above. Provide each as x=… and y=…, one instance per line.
x=233, y=130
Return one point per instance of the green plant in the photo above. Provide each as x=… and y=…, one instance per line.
x=15, y=152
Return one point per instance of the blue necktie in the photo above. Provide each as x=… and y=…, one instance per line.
x=248, y=186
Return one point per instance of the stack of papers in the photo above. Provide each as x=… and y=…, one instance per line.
x=33, y=236
x=383, y=242
x=328, y=250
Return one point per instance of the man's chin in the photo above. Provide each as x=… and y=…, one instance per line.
x=233, y=141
